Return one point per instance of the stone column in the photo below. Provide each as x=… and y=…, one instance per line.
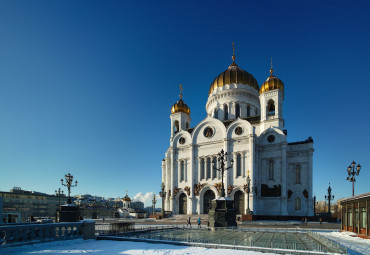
x=244, y=159
x=283, y=176
x=254, y=175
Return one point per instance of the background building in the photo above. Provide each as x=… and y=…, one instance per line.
x=246, y=121
x=30, y=203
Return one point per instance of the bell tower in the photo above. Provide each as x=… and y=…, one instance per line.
x=180, y=116
x=271, y=99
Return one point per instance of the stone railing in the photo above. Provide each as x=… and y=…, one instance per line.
x=12, y=235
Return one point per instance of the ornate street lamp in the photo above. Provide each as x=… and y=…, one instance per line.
x=222, y=158
x=351, y=174
x=329, y=197
x=162, y=194
x=154, y=201
x=248, y=191
x=69, y=180
x=59, y=193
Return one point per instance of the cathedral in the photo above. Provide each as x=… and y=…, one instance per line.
x=246, y=121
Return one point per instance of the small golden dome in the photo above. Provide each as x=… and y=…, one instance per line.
x=272, y=83
x=233, y=74
x=180, y=105
x=126, y=198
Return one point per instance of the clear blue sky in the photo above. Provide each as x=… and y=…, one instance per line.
x=86, y=86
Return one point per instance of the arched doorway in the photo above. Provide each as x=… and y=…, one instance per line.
x=208, y=196
x=183, y=204
x=239, y=202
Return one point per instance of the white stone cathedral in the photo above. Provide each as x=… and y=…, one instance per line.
x=246, y=121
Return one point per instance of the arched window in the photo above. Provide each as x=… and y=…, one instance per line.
x=271, y=108
x=208, y=168
x=176, y=126
x=182, y=171
x=237, y=110
x=214, y=171
x=215, y=113
x=238, y=165
x=187, y=125
x=248, y=111
x=202, y=169
x=298, y=174
x=226, y=112
x=297, y=203
x=271, y=169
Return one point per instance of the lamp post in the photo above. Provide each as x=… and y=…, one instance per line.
x=154, y=201
x=69, y=180
x=248, y=191
x=314, y=205
x=222, y=158
x=352, y=173
x=59, y=193
x=162, y=194
x=329, y=197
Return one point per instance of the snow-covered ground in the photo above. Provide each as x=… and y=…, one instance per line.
x=356, y=245
x=105, y=247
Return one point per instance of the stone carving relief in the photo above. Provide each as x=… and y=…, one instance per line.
x=218, y=186
x=305, y=193
x=290, y=193
x=187, y=189
x=270, y=192
x=198, y=187
x=175, y=191
x=230, y=189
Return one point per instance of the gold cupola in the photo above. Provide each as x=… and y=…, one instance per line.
x=272, y=83
x=180, y=105
x=233, y=74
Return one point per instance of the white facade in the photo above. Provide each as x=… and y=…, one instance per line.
x=241, y=122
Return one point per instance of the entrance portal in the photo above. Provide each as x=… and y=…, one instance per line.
x=183, y=204
x=239, y=202
x=208, y=196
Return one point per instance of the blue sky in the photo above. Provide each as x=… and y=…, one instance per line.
x=86, y=86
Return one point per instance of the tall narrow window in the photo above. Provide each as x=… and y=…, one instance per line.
x=202, y=169
x=271, y=169
x=226, y=112
x=271, y=108
x=182, y=171
x=297, y=203
x=176, y=126
x=248, y=111
x=238, y=165
x=215, y=114
x=208, y=168
x=237, y=111
x=298, y=174
x=214, y=165
x=187, y=125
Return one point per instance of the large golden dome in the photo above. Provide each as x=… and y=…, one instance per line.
x=233, y=74
x=272, y=83
x=180, y=106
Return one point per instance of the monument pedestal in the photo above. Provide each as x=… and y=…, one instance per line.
x=69, y=213
x=222, y=213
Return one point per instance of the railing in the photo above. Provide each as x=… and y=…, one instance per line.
x=12, y=235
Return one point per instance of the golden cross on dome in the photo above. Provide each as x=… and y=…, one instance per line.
x=126, y=192
x=180, y=91
x=271, y=70
x=233, y=57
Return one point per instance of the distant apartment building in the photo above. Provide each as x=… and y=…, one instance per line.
x=30, y=203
